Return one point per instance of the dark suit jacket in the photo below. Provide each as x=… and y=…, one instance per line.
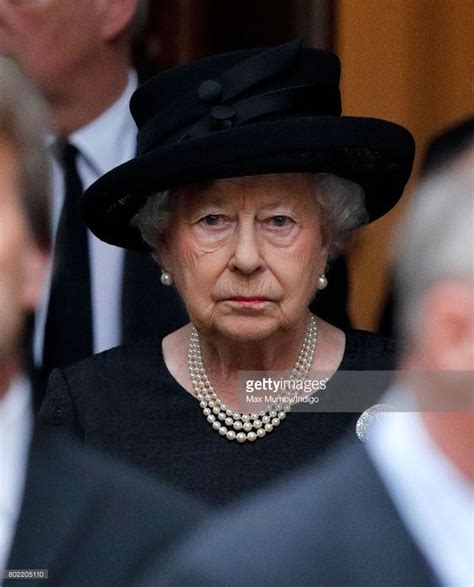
x=92, y=521
x=331, y=525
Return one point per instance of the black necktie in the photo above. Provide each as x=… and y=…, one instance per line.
x=68, y=333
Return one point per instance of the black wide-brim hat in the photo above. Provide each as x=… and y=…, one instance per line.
x=245, y=113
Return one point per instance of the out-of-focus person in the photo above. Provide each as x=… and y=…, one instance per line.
x=81, y=517
x=78, y=53
x=247, y=184
x=400, y=509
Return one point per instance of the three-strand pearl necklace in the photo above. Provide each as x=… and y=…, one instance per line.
x=244, y=427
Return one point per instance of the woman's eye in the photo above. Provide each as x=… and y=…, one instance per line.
x=212, y=220
x=280, y=221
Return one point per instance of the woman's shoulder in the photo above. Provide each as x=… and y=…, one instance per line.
x=144, y=354
x=114, y=373
x=368, y=350
x=108, y=384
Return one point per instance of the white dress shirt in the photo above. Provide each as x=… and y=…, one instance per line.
x=104, y=143
x=16, y=426
x=433, y=498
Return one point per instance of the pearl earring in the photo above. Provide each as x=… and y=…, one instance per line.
x=322, y=281
x=166, y=278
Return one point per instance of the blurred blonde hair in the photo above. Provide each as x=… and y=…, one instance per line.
x=24, y=122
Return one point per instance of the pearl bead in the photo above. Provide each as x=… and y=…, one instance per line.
x=206, y=411
x=272, y=414
x=228, y=421
x=221, y=416
x=236, y=416
x=257, y=424
x=268, y=427
x=211, y=418
x=275, y=421
x=216, y=410
x=222, y=430
x=241, y=437
x=237, y=425
x=245, y=418
x=265, y=419
x=261, y=433
x=230, y=435
x=216, y=425
x=322, y=281
x=251, y=437
x=228, y=412
x=203, y=404
x=166, y=278
x=248, y=426
x=282, y=415
x=211, y=403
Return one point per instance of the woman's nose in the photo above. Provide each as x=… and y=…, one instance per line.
x=246, y=255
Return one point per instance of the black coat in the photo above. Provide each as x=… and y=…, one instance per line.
x=125, y=401
x=91, y=521
x=329, y=526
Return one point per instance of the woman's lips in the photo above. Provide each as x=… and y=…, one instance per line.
x=248, y=301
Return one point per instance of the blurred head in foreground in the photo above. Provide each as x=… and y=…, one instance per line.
x=435, y=269
x=24, y=213
x=435, y=283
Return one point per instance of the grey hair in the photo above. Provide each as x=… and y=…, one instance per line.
x=435, y=242
x=341, y=203
x=24, y=123
x=342, y=210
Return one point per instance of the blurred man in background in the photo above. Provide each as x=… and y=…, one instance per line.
x=81, y=517
x=78, y=53
x=402, y=511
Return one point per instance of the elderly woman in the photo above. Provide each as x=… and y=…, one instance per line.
x=246, y=183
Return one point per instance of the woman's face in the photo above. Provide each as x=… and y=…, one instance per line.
x=246, y=253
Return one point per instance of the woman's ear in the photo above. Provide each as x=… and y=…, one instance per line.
x=161, y=253
x=324, y=258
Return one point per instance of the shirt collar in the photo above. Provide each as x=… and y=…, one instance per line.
x=433, y=498
x=16, y=425
x=97, y=140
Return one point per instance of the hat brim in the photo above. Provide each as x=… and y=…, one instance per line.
x=374, y=153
